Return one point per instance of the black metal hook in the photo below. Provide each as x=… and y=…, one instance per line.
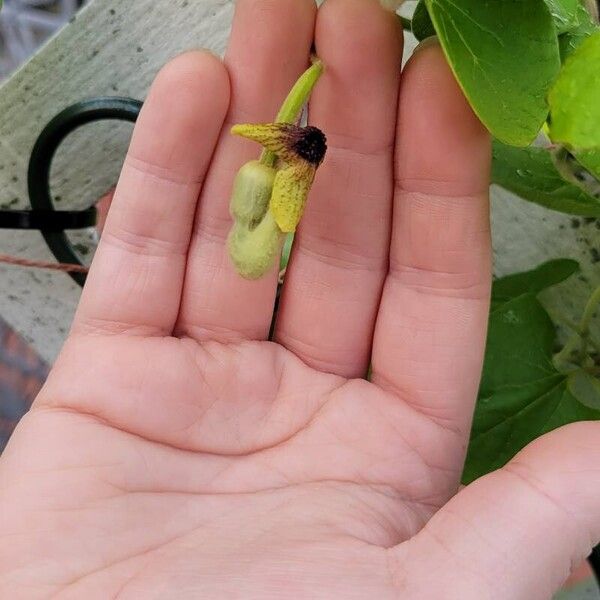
x=38, y=177
x=53, y=223
x=47, y=220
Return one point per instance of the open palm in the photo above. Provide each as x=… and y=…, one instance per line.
x=175, y=453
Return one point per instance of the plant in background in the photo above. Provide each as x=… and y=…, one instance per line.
x=531, y=71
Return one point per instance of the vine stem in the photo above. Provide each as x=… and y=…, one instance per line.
x=574, y=328
x=563, y=357
x=588, y=313
x=582, y=334
x=297, y=98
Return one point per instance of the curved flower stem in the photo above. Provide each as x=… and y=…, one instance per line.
x=289, y=113
x=297, y=98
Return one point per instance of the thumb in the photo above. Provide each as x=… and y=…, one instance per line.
x=515, y=534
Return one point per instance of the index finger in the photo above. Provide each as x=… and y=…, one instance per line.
x=136, y=278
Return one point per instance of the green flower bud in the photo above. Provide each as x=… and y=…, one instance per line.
x=252, y=192
x=254, y=252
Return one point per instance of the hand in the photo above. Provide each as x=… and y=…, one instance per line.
x=175, y=453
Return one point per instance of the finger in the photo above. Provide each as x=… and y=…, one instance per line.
x=334, y=281
x=431, y=329
x=269, y=48
x=136, y=279
x=517, y=533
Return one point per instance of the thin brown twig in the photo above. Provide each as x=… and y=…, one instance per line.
x=34, y=264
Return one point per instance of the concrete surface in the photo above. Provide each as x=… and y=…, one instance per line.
x=112, y=48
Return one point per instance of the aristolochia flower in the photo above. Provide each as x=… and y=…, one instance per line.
x=269, y=194
x=300, y=150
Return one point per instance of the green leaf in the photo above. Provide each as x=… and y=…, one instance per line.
x=531, y=174
x=575, y=98
x=586, y=388
x=565, y=14
x=520, y=345
x=497, y=416
x=422, y=26
x=570, y=410
x=522, y=396
x=505, y=56
x=533, y=282
x=513, y=417
x=571, y=40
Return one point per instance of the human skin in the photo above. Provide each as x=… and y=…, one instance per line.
x=175, y=453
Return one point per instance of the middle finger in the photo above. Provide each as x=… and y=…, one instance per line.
x=340, y=260
x=268, y=49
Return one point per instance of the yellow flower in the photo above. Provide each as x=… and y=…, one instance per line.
x=301, y=151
